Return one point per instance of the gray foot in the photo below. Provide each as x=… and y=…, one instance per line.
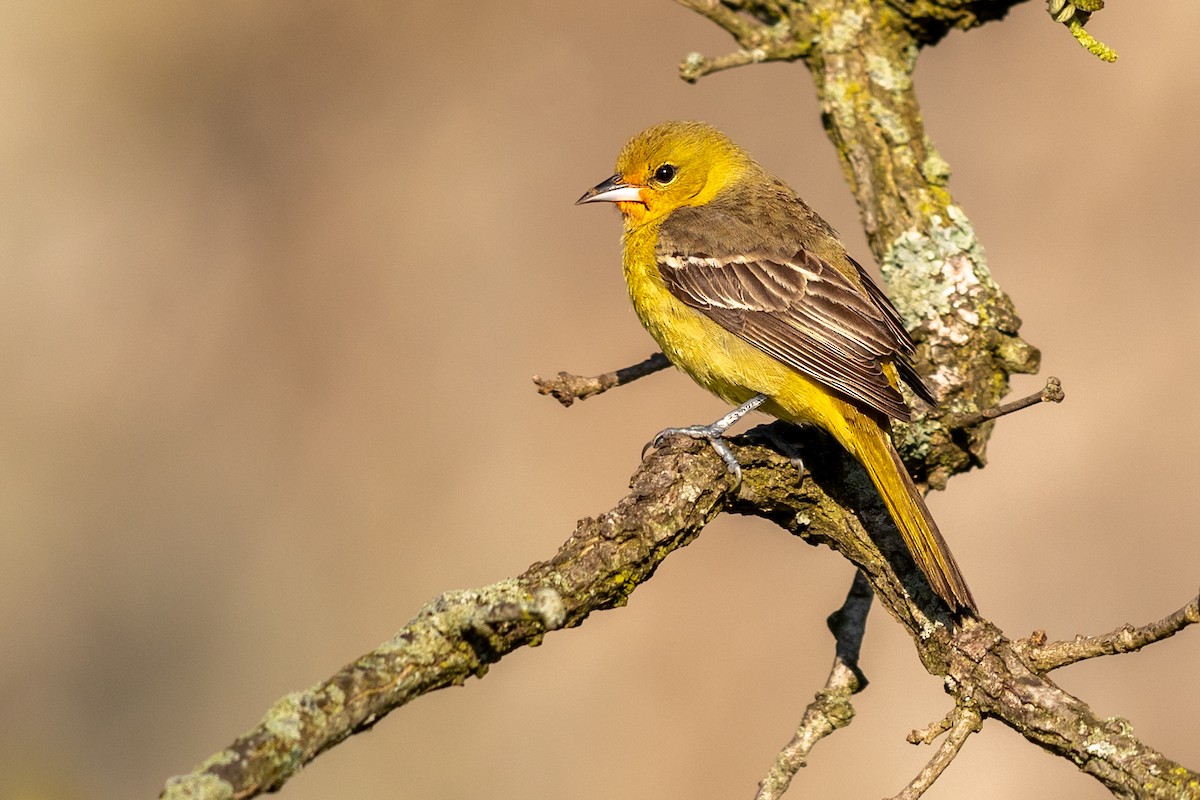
x=713, y=435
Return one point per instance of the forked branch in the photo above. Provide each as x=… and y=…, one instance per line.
x=831, y=708
x=961, y=723
x=675, y=493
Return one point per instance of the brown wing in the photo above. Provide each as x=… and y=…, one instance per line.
x=903, y=364
x=800, y=310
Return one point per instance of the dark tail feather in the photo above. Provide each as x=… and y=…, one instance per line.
x=907, y=508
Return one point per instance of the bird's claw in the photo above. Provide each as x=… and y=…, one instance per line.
x=785, y=446
x=710, y=433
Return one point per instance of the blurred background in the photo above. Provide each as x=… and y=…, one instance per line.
x=273, y=281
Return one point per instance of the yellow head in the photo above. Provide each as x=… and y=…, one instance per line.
x=671, y=165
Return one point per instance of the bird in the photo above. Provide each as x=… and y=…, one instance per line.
x=751, y=293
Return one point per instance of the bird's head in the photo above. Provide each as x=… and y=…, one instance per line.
x=671, y=165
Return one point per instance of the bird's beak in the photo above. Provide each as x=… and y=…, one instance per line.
x=613, y=190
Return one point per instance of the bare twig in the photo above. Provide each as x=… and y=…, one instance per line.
x=1126, y=639
x=1052, y=392
x=831, y=709
x=745, y=30
x=964, y=721
x=772, y=30
x=932, y=731
x=767, y=38
x=696, y=65
x=567, y=388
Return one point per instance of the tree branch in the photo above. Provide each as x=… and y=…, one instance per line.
x=961, y=723
x=831, y=708
x=1075, y=15
x=930, y=733
x=1125, y=639
x=756, y=26
x=674, y=494
x=460, y=634
x=567, y=388
x=745, y=29
x=787, y=30
x=1052, y=392
x=862, y=55
x=981, y=668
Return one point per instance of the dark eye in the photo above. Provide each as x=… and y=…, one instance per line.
x=665, y=173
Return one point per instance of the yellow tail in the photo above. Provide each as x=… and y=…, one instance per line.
x=873, y=448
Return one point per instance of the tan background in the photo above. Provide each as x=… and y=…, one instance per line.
x=274, y=277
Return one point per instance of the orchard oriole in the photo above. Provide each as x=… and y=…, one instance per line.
x=752, y=294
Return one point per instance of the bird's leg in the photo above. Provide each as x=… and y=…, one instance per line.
x=713, y=434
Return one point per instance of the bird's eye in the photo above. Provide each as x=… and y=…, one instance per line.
x=665, y=173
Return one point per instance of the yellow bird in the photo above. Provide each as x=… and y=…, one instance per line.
x=752, y=294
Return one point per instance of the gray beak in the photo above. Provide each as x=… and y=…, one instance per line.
x=613, y=190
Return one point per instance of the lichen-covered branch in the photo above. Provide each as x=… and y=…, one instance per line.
x=1075, y=16
x=981, y=668
x=760, y=31
x=789, y=30
x=785, y=30
x=460, y=634
x=965, y=325
x=674, y=494
x=862, y=54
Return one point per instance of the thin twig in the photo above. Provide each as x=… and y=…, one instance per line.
x=964, y=721
x=1125, y=639
x=758, y=40
x=831, y=709
x=696, y=65
x=745, y=30
x=567, y=388
x=932, y=731
x=1052, y=392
